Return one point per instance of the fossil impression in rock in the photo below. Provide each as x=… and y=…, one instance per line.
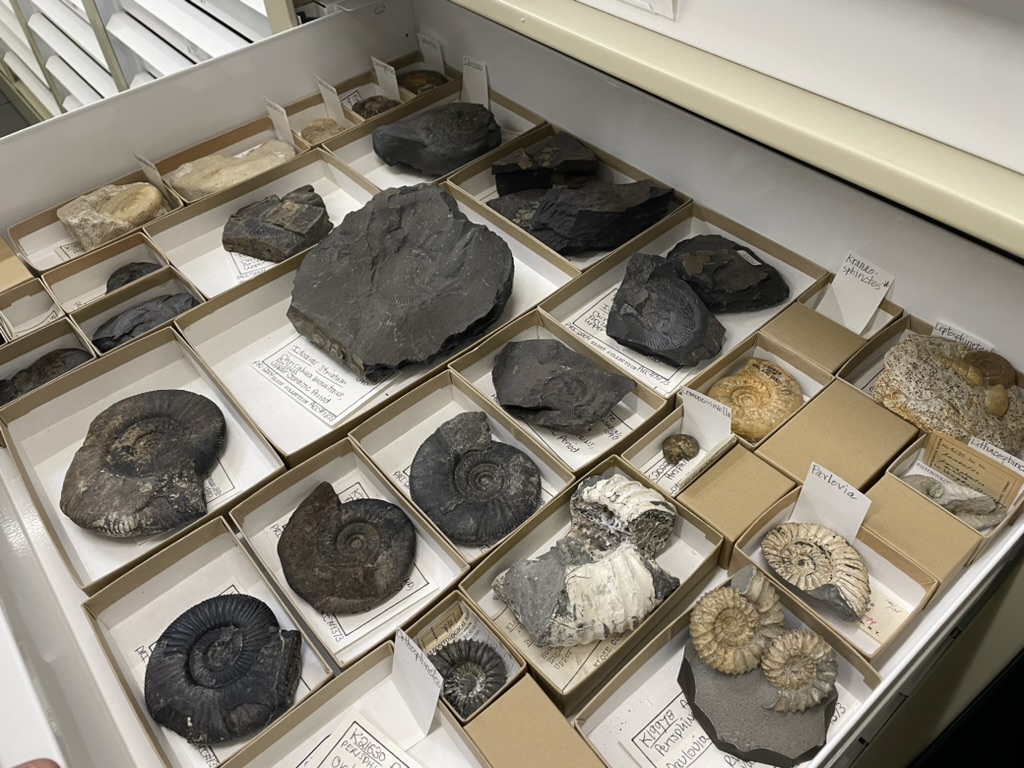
x=112, y=210
x=558, y=160
x=129, y=273
x=762, y=395
x=222, y=670
x=142, y=466
x=680, y=447
x=728, y=276
x=550, y=385
x=802, y=667
x=346, y=557
x=135, y=321
x=569, y=596
x=973, y=507
x=44, y=369
x=657, y=313
x=420, y=81
x=473, y=672
x=320, y=130
x=944, y=386
x=372, y=106
x=820, y=564
x=276, y=228
x=475, y=490
x=606, y=511
x=438, y=140
x=406, y=279
x=213, y=173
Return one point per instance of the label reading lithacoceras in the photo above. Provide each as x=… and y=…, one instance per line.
x=859, y=287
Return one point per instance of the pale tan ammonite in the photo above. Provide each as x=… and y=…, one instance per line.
x=762, y=395
x=802, y=667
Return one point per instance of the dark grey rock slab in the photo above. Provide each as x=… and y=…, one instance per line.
x=550, y=385
x=439, y=140
x=558, y=160
x=519, y=207
x=275, y=228
x=407, y=279
x=141, y=318
x=44, y=369
x=728, y=276
x=129, y=273
x=656, y=312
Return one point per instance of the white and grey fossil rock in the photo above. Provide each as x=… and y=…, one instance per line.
x=608, y=510
x=973, y=507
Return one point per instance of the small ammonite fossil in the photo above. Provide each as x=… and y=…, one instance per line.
x=222, y=670
x=762, y=395
x=142, y=466
x=821, y=564
x=373, y=106
x=421, y=80
x=346, y=558
x=680, y=447
x=802, y=667
x=475, y=489
x=607, y=510
x=473, y=672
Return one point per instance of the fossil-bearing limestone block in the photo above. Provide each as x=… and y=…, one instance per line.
x=213, y=173
x=111, y=211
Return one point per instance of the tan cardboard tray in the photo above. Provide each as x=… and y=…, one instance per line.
x=570, y=674
x=477, y=180
x=130, y=614
x=26, y=308
x=392, y=438
x=641, y=714
x=13, y=271
x=43, y=243
x=583, y=306
x=263, y=517
x=332, y=721
x=46, y=428
x=625, y=422
x=192, y=241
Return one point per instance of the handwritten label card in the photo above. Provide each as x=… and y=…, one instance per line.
x=153, y=176
x=355, y=743
x=416, y=679
x=859, y=287
x=885, y=613
x=1006, y=459
x=69, y=250
x=430, y=49
x=475, y=87
x=705, y=416
x=458, y=623
x=282, y=128
x=952, y=333
x=386, y=78
x=828, y=500
x=332, y=103
x=962, y=465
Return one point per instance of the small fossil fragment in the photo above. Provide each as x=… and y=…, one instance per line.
x=319, y=130
x=728, y=276
x=606, y=511
x=420, y=81
x=222, y=670
x=372, y=106
x=973, y=507
x=820, y=564
x=129, y=273
x=802, y=667
x=111, y=211
x=142, y=466
x=677, y=448
x=276, y=228
x=135, y=321
x=346, y=558
x=762, y=395
x=439, y=140
x=473, y=672
x=44, y=369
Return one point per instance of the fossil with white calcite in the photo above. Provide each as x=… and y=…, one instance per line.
x=972, y=507
x=608, y=510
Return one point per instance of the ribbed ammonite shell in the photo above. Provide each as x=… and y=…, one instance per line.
x=761, y=396
x=142, y=466
x=222, y=670
x=608, y=510
x=821, y=564
x=475, y=489
x=346, y=558
x=802, y=667
x=472, y=672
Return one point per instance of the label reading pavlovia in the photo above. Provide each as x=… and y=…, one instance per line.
x=830, y=501
x=859, y=287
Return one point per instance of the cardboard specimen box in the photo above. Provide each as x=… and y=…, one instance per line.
x=583, y=306
x=569, y=674
x=192, y=240
x=392, y=437
x=45, y=429
x=642, y=717
x=842, y=430
x=26, y=308
x=130, y=614
x=13, y=271
x=864, y=367
x=733, y=493
x=624, y=423
x=263, y=517
x=362, y=715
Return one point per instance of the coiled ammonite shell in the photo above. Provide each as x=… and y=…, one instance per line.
x=346, y=558
x=678, y=447
x=421, y=80
x=142, y=466
x=472, y=672
x=821, y=564
x=222, y=670
x=608, y=510
x=802, y=667
x=474, y=489
x=373, y=106
x=761, y=396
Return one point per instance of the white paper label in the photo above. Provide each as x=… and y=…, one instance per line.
x=153, y=176
x=830, y=501
x=218, y=483
x=37, y=321
x=351, y=99
x=859, y=287
x=386, y=79
x=282, y=128
x=475, y=88
x=354, y=743
x=1004, y=458
x=332, y=103
x=709, y=416
x=247, y=267
x=416, y=679
x=430, y=49
x=947, y=331
x=885, y=613
x=69, y=250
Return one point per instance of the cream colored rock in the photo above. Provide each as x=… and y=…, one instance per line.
x=111, y=211
x=762, y=395
x=216, y=172
x=320, y=129
x=606, y=511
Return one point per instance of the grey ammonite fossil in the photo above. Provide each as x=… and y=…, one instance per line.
x=222, y=670
x=475, y=490
x=802, y=667
x=142, y=466
x=346, y=557
x=473, y=672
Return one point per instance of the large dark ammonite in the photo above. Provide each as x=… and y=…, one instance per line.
x=475, y=490
x=346, y=558
x=222, y=670
x=142, y=466
x=472, y=672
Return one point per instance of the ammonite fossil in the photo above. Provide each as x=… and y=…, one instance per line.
x=677, y=448
x=730, y=632
x=346, y=558
x=222, y=670
x=820, y=564
x=608, y=510
x=802, y=667
x=142, y=466
x=373, y=106
x=972, y=507
x=137, y=320
x=475, y=490
x=762, y=395
x=421, y=80
x=129, y=273
x=472, y=672
x=44, y=369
